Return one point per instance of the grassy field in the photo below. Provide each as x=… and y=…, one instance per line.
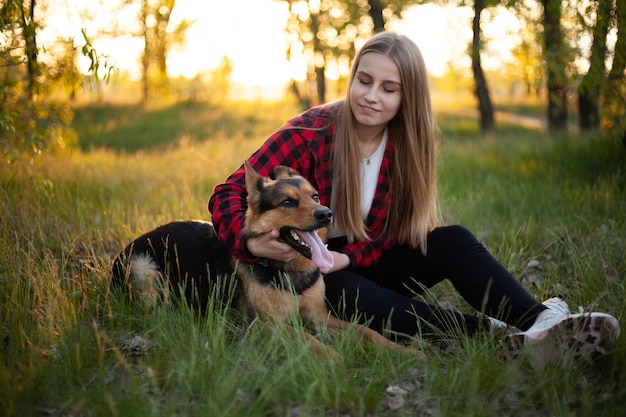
x=552, y=209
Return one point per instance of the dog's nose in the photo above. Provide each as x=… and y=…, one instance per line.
x=323, y=215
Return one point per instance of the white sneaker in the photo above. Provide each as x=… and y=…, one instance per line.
x=496, y=324
x=587, y=335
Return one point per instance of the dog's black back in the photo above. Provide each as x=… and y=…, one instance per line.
x=188, y=253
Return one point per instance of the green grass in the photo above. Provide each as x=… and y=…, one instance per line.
x=132, y=128
x=550, y=208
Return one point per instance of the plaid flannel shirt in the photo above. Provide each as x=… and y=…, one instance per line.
x=305, y=144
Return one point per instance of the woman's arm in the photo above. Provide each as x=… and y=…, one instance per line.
x=228, y=203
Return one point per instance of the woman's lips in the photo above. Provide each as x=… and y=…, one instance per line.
x=368, y=109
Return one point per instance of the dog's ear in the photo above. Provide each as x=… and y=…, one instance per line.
x=282, y=171
x=254, y=182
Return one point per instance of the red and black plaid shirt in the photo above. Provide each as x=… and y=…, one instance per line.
x=305, y=144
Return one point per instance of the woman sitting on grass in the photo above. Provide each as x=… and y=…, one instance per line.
x=372, y=159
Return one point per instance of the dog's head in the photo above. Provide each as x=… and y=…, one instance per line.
x=289, y=203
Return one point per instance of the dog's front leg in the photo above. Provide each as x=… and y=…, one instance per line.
x=367, y=334
x=274, y=308
x=313, y=309
x=317, y=347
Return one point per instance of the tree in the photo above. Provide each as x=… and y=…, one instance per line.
x=376, y=12
x=555, y=55
x=529, y=53
x=487, y=121
x=221, y=79
x=594, y=79
x=33, y=120
x=30, y=121
x=481, y=90
x=327, y=32
x=159, y=38
x=29, y=32
x=615, y=101
x=324, y=30
x=19, y=22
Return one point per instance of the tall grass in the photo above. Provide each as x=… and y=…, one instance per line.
x=550, y=208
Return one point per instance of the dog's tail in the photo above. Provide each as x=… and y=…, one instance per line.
x=144, y=280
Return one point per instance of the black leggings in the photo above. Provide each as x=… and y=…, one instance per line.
x=382, y=296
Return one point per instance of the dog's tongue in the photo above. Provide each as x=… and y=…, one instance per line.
x=321, y=256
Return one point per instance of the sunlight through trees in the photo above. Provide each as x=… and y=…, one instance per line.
x=567, y=52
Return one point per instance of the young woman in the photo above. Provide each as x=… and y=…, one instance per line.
x=372, y=159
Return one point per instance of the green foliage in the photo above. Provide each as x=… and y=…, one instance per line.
x=329, y=31
x=33, y=119
x=550, y=208
x=30, y=120
x=30, y=126
x=97, y=63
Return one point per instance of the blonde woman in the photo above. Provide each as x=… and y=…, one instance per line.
x=372, y=159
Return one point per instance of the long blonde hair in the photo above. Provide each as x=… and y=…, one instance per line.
x=413, y=210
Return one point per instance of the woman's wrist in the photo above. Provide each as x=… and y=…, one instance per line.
x=342, y=261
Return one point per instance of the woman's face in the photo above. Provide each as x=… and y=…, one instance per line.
x=376, y=92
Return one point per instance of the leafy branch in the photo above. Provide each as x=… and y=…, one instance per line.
x=97, y=61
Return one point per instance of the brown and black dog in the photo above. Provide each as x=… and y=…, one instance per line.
x=187, y=255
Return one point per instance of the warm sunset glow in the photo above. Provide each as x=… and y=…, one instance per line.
x=250, y=33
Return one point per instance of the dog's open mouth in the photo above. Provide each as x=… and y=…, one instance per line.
x=308, y=244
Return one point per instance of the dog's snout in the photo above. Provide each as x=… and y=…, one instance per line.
x=323, y=215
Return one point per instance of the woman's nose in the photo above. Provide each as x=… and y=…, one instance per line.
x=371, y=95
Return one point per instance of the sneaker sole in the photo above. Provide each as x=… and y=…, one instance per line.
x=584, y=336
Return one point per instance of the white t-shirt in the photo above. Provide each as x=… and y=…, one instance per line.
x=369, y=170
x=370, y=167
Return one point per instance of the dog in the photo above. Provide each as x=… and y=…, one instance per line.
x=186, y=256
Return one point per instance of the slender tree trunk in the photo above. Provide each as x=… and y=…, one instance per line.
x=487, y=122
x=376, y=13
x=160, y=34
x=591, y=84
x=320, y=67
x=320, y=79
x=554, y=55
x=145, y=59
x=619, y=61
x=29, y=30
x=615, y=106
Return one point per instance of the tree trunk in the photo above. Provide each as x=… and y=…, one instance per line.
x=376, y=13
x=615, y=103
x=555, y=62
x=487, y=122
x=619, y=61
x=29, y=30
x=320, y=79
x=591, y=84
x=320, y=67
x=145, y=59
x=161, y=46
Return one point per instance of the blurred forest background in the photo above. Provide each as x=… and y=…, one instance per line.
x=569, y=56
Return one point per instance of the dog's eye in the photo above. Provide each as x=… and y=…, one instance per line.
x=316, y=197
x=290, y=202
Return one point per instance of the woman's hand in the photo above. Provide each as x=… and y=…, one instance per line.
x=268, y=246
x=341, y=262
